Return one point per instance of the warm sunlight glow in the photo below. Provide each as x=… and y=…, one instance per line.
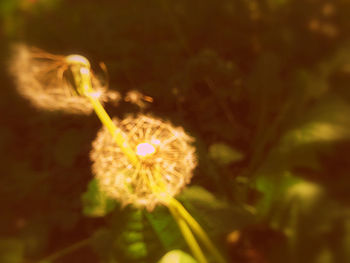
x=96, y=94
x=77, y=59
x=145, y=149
x=84, y=71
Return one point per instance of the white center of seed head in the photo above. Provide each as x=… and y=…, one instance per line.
x=144, y=149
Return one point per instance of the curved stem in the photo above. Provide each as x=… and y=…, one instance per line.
x=118, y=136
x=82, y=78
x=190, y=239
x=186, y=217
x=198, y=230
x=66, y=251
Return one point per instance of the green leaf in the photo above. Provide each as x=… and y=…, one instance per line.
x=328, y=122
x=217, y=217
x=308, y=217
x=177, y=256
x=136, y=250
x=306, y=193
x=273, y=187
x=129, y=237
x=95, y=202
x=165, y=228
x=224, y=154
x=316, y=134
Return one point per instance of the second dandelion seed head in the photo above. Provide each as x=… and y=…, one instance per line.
x=166, y=162
x=49, y=81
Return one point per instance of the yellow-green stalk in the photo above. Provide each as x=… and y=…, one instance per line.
x=80, y=68
x=187, y=233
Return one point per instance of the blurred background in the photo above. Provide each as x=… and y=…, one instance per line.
x=262, y=86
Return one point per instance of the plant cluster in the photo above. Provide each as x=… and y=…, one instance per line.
x=260, y=86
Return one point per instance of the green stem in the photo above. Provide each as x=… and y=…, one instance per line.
x=118, y=136
x=82, y=78
x=66, y=251
x=198, y=230
x=190, y=239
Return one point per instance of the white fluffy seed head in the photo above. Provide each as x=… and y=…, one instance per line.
x=159, y=145
x=42, y=79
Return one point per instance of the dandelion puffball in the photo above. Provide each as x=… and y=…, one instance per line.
x=45, y=81
x=161, y=148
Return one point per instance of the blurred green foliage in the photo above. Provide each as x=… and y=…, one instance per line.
x=224, y=154
x=263, y=86
x=95, y=202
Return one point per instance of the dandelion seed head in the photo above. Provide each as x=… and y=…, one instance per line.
x=42, y=79
x=158, y=149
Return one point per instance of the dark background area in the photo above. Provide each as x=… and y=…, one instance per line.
x=263, y=87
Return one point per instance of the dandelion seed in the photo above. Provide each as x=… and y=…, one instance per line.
x=175, y=160
x=47, y=82
x=137, y=98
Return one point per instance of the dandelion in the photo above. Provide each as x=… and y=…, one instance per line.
x=46, y=80
x=161, y=148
